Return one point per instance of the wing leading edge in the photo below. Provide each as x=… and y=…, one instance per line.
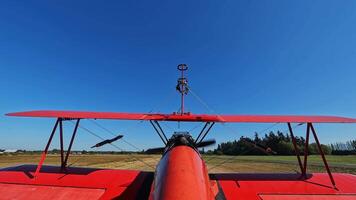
x=184, y=117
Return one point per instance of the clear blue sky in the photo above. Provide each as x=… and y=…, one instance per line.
x=245, y=57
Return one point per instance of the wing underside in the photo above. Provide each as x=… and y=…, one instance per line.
x=185, y=117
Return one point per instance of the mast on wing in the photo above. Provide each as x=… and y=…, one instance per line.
x=182, y=85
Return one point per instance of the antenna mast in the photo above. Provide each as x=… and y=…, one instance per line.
x=182, y=85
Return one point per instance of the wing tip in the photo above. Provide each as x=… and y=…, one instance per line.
x=22, y=113
x=10, y=114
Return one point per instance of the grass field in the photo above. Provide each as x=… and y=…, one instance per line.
x=271, y=164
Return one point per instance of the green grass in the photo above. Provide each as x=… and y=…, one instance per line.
x=332, y=159
x=216, y=164
x=346, y=164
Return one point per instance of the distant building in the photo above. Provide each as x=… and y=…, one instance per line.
x=10, y=151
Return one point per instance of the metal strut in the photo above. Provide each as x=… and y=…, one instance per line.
x=64, y=159
x=64, y=164
x=44, y=153
x=159, y=131
x=322, y=155
x=61, y=141
x=295, y=147
x=182, y=85
x=306, y=150
x=203, y=132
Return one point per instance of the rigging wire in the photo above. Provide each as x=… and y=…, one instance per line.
x=195, y=127
x=102, y=127
x=268, y=128
x=201, y=100
x=112, y=133
x=125, y=141
x=96, y=135
x=167, y=126
x=234, y=159
x=228, y=127
x=224, y=124
x=228, y=159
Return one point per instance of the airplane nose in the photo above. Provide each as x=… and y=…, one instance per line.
x=181, y=174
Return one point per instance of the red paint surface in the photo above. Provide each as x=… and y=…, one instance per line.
x=126, y=184
x=14, y=191
x=185, y=117
x=182, y=174
x=309, y=197
x=123, y=183
x=253, y=186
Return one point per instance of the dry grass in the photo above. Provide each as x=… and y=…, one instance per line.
x=215, y=163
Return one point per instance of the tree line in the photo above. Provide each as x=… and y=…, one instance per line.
x=278, y=143
x=346, y=148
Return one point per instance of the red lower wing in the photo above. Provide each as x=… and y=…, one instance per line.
x=74, y=183
x=286, y=186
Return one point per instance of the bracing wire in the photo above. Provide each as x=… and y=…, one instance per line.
x=201, y=100
x=228, y=127
x=112, y=133
x=195, y=127
x=268, y=128
x=229, y=159
x=102, y=127
x=234, y=159
x=120, y=149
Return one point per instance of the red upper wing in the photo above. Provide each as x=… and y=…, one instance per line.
x=185, y=117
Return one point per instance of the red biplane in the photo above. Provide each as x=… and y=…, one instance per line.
x=181, y=173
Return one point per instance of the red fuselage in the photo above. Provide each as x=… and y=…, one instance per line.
x=182, y=174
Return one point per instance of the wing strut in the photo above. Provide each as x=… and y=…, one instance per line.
x=64, y=165
x=204, y=132
x=159, y=131
x=44, y=153
x=322, y=155
x=64, y=159
x=303, y=167
x=296, y=150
